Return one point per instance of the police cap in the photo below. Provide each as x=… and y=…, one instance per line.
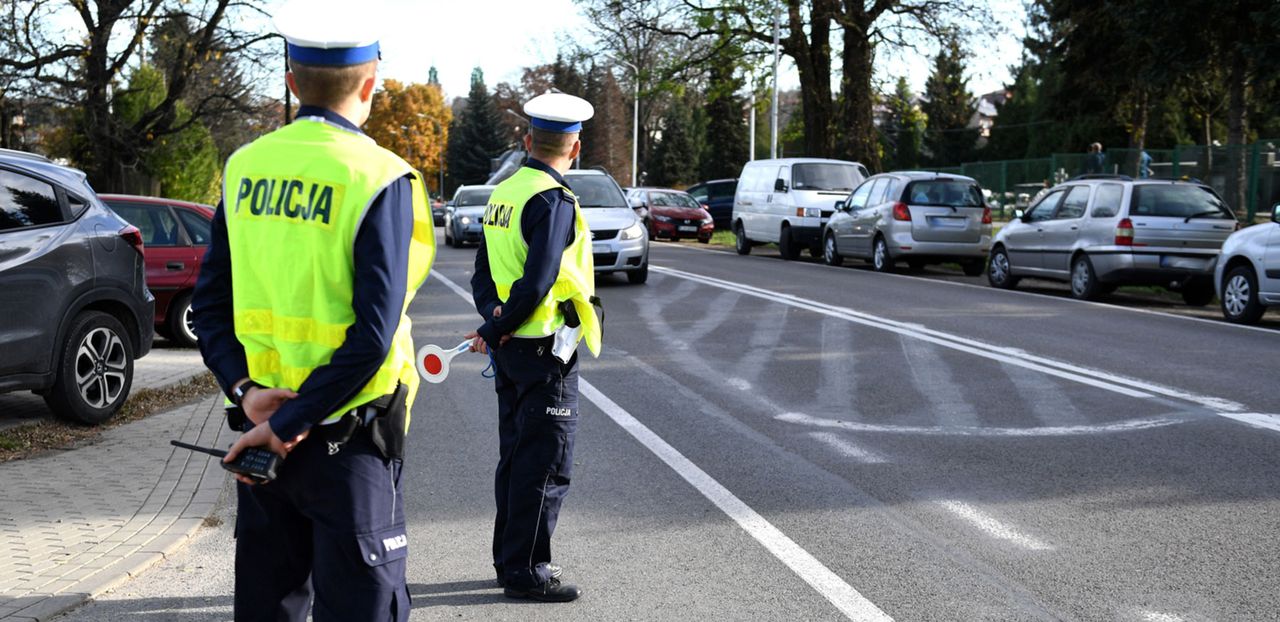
x=558, y=112
x=329, y=32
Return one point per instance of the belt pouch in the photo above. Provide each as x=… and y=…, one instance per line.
x=387, y=429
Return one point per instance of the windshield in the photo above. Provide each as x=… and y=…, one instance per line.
x=1178, y=201
x=673, y=199
x=837, y=177
x=596, y=191
x=945, y=193
x=471, y=198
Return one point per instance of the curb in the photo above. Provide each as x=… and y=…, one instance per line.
x=51, y=574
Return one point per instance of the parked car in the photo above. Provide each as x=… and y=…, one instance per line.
x=919, y=217
x=619, y=240
x=1248, y=271
x=176, y=235
x=76, y=312
x=672, y=214
x=462, y=217
x=717, y=198
x=1099, y=232
x=788, y=201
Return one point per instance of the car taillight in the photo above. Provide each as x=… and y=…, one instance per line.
x=1124, y=233
x=901, y=211
x=986, y=215
x=133, y=237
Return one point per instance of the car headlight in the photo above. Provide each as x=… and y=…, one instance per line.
x=708, y=221
x=634, y=232
x=466, y=220
x=661, y=218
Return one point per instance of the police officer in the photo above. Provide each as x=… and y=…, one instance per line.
x=320, y=242
x=534, y=285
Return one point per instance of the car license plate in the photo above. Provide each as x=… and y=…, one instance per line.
x=600, y=248
x=687, y=229
x=947, y=221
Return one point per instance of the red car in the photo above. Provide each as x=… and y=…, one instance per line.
x=175, y=234
x=672, y=214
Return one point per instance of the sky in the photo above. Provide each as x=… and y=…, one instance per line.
x=504, y=36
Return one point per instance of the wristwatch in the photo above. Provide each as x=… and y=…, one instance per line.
x=238, y=393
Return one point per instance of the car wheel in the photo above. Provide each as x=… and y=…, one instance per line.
x=1240, y=304
x=973, y=268
x=1197, y=293
x=830, y=254
x=1001, y=273
x=787, y=246
x=179, y=323
x=1084, y=283
x=638, y=277
x=706, y=240
x=740, y=241
x=881, y=260
x=95, y=370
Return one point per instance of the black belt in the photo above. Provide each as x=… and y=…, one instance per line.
x=346, y=426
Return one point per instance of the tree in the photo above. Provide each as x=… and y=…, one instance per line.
x=40, y=61
x=412, y=121
x=675, y=157
x=181, y=165
x=477, y=137
x=948, y=107
x=726, y=141
x=606, y=138
x=905, y=129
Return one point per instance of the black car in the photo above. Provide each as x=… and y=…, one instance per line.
x=717, y=197
x=75, y=312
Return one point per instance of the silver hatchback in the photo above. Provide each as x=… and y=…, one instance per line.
x=917, y=217
x=1098, y=233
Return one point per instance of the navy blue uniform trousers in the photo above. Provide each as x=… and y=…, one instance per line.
x=537, y=421
x=331, y=528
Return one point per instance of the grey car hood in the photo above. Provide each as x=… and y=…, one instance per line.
x=475, y=211
x=609, y=217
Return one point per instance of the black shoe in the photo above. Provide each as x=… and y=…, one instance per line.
x=552, y=591
x=555, y=570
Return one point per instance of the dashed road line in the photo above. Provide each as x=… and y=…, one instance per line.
x=1130, y=425
x=992, y=526
x=847, y=449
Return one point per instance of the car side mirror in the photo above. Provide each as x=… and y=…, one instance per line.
x=1275, y=213
x=841, y=205
x=779, y=185
x=1020, y=215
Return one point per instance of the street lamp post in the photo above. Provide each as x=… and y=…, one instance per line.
x=635, y=119
x=773, y=112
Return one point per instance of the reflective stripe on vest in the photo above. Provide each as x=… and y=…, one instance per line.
x=507, y=249
x=294, y=200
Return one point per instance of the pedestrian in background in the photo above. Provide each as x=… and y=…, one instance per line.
x=1144, y=165
x=320, y=242
x=534, y=286
x=1095, y=161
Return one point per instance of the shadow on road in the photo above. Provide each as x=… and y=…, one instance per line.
x=457, y=594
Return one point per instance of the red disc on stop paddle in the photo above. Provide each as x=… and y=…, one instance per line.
x=432, y=364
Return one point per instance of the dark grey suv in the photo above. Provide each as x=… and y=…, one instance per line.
x=75, y=311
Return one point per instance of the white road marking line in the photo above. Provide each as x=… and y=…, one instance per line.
x=851, y=603
x=1156, y=616
x=827, y=583
x=1013, y=292
x=740, y=384
x=1130, y=387
x=1071, y=430
x=847, y=449
x=1260, y=420
x=991, y=526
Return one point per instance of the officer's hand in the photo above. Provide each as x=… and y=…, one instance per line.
x=261, y=436
x=497, y=312
x=260, y=403
x=477, y=342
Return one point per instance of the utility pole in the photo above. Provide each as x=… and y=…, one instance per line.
x=288, y=97
x=751, y=123
x=635, y=119
x=773, y=108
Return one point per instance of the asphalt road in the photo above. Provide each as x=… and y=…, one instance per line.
x=766, y=440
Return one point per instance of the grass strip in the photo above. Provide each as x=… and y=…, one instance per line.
x=28, y=440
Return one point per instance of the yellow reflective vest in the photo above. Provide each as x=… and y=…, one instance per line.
x=294, y=200
x=507, y=250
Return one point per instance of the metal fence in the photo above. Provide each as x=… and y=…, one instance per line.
x=1014, y=183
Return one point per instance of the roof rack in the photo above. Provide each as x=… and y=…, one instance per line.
x=1101, y=176
x=24, y=154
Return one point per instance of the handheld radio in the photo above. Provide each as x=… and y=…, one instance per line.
x=255, y=463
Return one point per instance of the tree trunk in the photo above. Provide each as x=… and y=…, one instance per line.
x=1237, y=129
x=856, y=124
x=813, y=63
x=1208, y=146
x=1138, y=135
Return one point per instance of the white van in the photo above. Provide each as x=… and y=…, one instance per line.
x=788, y=201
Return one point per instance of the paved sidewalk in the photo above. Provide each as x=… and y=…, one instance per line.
x=165, y=365
x=74, y=524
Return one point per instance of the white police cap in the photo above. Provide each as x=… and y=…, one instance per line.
x=330, y=32
x=558, y=112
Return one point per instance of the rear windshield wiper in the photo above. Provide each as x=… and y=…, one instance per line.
x=1202, y=215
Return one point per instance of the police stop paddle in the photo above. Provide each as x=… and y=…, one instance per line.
x=433, y=361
